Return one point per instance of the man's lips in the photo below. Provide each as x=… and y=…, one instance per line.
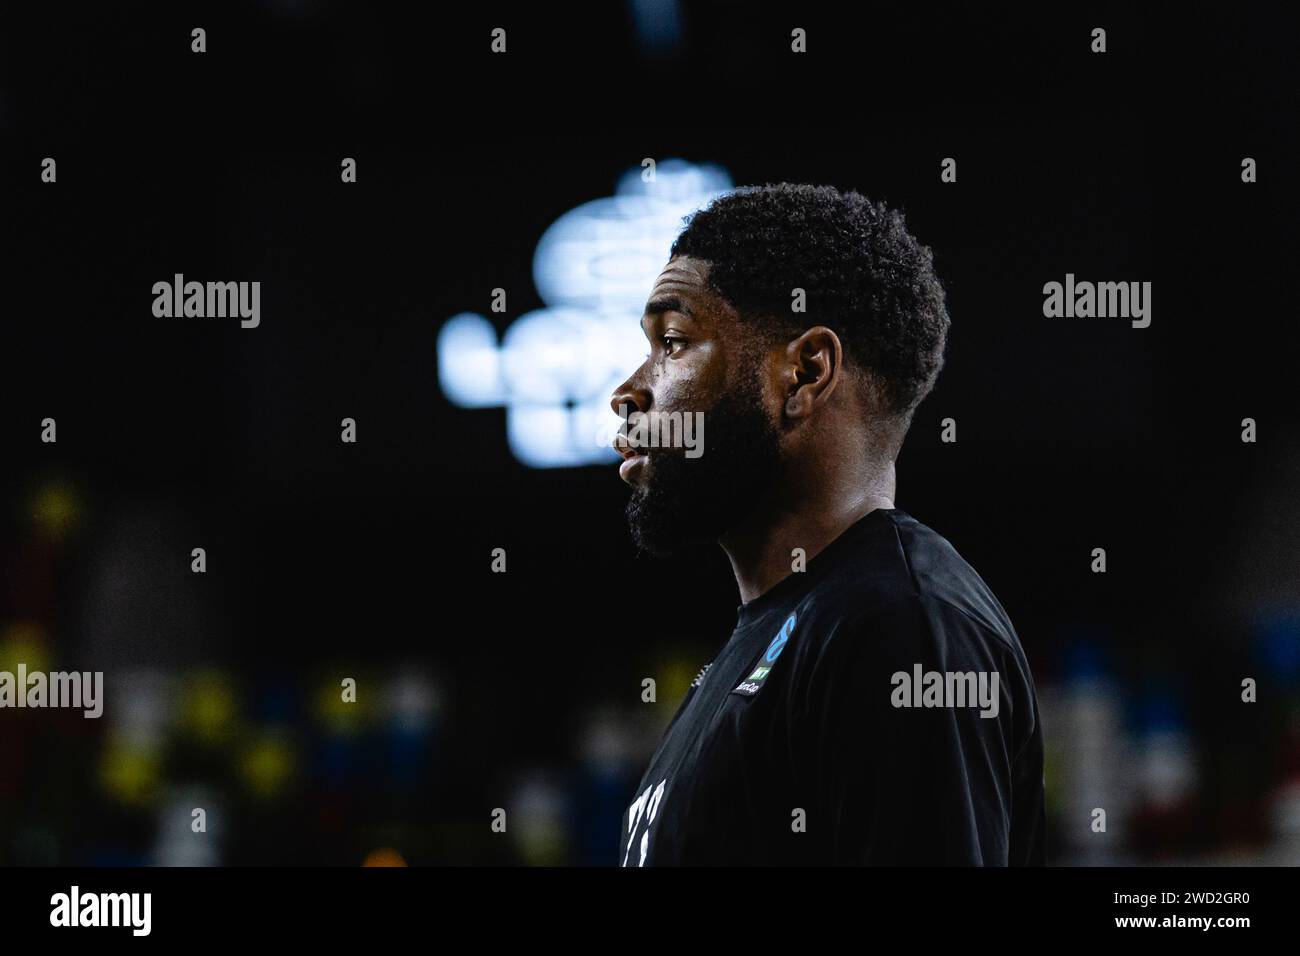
x=634, y=459
x=633, y=463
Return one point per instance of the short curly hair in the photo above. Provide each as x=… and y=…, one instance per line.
x=865, y=276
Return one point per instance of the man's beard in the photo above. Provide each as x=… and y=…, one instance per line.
x=684, y=500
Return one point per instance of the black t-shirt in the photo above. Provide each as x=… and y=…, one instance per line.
x=876, y=708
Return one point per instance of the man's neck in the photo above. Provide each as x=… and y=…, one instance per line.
x=762, y=551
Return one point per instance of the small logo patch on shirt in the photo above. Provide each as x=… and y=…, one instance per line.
x=752, y=684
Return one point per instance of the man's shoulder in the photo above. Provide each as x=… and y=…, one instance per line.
x=905, y=601
x=910, y=586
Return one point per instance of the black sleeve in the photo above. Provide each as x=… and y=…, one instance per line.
x=894, y=785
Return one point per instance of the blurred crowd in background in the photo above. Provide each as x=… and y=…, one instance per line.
x=286, y=771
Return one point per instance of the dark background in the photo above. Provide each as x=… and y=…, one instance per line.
x=522, y=690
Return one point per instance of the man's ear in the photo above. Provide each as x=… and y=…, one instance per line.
x=813, y=366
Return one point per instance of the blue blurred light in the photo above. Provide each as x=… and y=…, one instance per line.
x=1160, y=710
x=658, y=25
x=1084, y=662
x=1277, y=641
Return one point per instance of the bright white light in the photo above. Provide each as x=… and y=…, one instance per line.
x=469, y=365
x=556, y=367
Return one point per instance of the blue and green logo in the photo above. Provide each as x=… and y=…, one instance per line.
x=754, y=682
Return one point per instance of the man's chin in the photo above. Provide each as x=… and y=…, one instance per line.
x=658, y=532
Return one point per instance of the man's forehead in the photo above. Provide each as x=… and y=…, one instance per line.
x=683, y=271
x=683, y=281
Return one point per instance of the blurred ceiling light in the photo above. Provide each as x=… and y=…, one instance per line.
x=555, y=367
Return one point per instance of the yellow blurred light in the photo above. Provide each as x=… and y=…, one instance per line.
x=209, y=706
x=23, y=643
x=55, y=509
x=267, y=766
x=544, y=845
x=676, y=681
x=346, y=716
x=130, y=774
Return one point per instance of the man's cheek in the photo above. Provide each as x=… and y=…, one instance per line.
x=685, y=391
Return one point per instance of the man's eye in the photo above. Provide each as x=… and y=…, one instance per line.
x=668, y=341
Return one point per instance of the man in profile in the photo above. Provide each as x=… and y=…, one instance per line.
x=873, y=704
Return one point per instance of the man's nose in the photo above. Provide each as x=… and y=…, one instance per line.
x=629, y=398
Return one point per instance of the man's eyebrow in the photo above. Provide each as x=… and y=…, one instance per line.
x=667, y=303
